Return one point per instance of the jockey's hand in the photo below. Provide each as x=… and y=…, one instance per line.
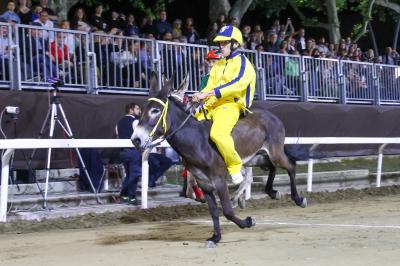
x=197, y=97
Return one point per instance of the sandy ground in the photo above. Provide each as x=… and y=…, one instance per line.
x=358, y=231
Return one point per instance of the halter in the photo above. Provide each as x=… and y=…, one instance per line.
x=163, y=118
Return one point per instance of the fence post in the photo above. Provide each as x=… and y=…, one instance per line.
x=303, y=87
x=377, y=93
x=379, y=166
x=157, y=62
x=5, y=171
x=342, y=84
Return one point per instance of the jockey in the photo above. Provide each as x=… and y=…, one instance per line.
x=228, y=93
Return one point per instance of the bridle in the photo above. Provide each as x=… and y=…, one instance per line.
x=163, y=120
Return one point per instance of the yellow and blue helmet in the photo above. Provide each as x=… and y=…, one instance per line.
x=228, y=33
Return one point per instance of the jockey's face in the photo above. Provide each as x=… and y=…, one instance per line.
x=225, y=47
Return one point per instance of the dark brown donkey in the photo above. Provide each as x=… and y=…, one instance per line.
x=259, y=139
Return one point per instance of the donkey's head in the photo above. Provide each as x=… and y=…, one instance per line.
x=154, y=123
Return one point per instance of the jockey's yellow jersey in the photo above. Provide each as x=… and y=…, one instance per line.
x=233, y=79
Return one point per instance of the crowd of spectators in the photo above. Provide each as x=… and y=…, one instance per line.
x=278, y=38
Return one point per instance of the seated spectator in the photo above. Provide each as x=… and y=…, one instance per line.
x=35, y=53
x=69, y=38
x=60, y=55
x=79, y=21
x=190, y=31
x=50, y=12
x=131, y=29
x=98, y=23
x=162, y=25
x=4, y=51
x=10, y=15
x=24, y=12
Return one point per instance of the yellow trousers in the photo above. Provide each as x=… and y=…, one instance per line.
x=224, y=119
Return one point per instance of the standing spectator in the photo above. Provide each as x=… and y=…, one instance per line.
x=234, y=22
x=369, y=56
x=97, y=21
x=162, y=25
x=272, y=45
x=36, y=12
x=79, y=21
x=322, y=47
x=50, y=12
x=301, y=40
x=131, y=29
x=212, y=32
x=276, y=26
x=221, y=21
x=390, y=57
x=246, y=31
x=289, y=29
x=190, y=31
x=24, y=12
x=177, y=28
x=10, y=15
x=146, y=27
x=45, y=22
x=117, y=21
x=131, y=157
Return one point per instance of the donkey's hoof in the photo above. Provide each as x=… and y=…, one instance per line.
x=278, y=196
x=210, y=244
x=303, y=203
x=250, y=221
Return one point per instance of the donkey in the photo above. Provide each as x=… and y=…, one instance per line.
x=259, y=139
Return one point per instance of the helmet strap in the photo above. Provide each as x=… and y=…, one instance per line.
x=232, y=48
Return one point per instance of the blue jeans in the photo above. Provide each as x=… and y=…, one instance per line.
x=132, y=160
x=158, y=164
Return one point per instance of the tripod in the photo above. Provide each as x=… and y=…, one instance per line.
x=52, y=117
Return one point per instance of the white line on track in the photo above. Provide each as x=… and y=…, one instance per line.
x=271, y=222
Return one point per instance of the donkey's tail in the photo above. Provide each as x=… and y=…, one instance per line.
x=297, y=152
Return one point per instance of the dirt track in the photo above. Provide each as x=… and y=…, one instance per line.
x=342, y=228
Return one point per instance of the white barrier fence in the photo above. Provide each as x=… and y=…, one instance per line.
x=11, y=145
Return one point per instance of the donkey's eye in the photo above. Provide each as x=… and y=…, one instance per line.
x=155, y=111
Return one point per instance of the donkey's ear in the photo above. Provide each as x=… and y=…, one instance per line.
x=183, y=87
x=167, y=88
x=154, y=86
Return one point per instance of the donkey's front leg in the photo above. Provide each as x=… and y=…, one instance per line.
x=213, y=209
x=223, y=193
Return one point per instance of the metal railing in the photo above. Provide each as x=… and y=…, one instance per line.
x=104, y=63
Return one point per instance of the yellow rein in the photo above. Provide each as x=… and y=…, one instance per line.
x=163, y=116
